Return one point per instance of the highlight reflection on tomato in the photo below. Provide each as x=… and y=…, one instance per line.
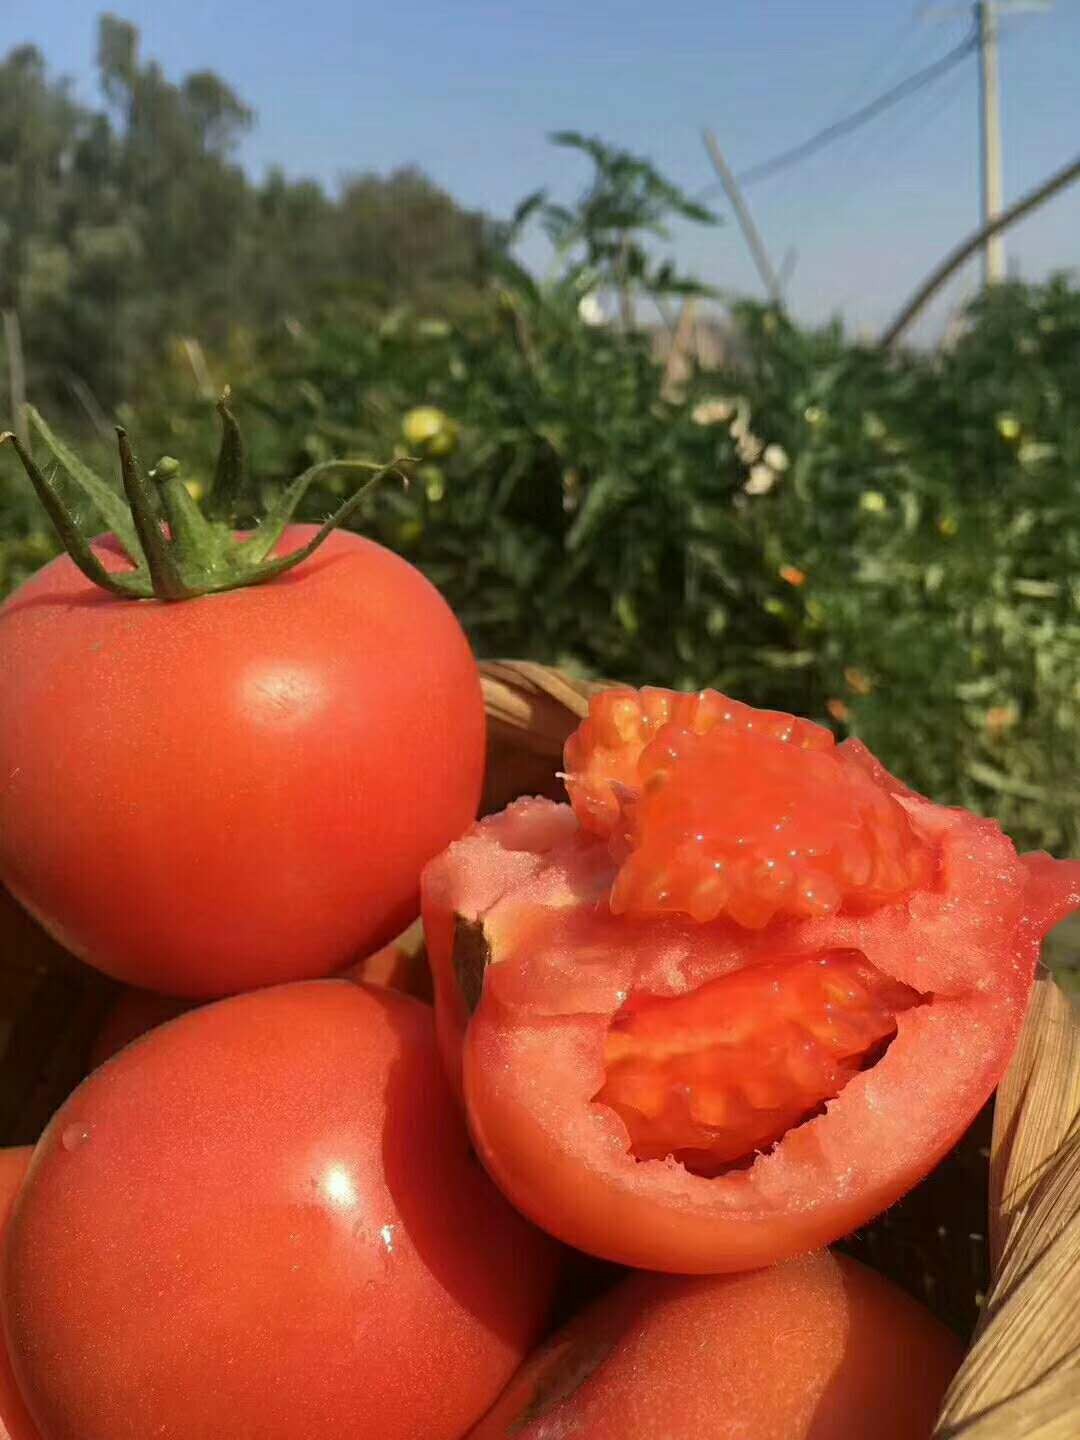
x=264, y=1220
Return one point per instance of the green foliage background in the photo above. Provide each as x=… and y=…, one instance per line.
x=887, y=543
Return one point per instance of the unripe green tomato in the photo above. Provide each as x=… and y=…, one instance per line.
x=431, y=430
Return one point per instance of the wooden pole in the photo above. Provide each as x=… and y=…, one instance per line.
x=742, y=214
x=990, y=137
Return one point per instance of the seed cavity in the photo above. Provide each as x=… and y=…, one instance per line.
x=720, y=1074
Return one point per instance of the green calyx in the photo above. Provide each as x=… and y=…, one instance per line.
x=176, y=551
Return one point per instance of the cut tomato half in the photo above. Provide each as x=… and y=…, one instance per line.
x=705, y=1088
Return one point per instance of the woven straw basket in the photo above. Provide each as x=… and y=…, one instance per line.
x=991, y=1241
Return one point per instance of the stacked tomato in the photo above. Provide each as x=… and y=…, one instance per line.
x=725, y=1006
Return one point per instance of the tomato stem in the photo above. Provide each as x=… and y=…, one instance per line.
x=229, y=470
x=187, y=555
x=70, y=536
x=165, y=575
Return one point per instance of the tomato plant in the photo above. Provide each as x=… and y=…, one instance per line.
x=265, y=1220
x=738, y=999
x=15, y=1422
x=819, y=1348
x=230, y=789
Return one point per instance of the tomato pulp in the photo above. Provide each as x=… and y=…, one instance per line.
x=819, y=1348
x=738, y=999
x=264, y=1220
x=240, y=789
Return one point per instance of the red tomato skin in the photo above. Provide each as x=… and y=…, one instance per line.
x=819, y=1348
x=241, y=789
x=264, y=1220
x=529, y=1059
x=15, y=1422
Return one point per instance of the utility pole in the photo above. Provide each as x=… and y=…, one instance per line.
x=990, y=137
x=987, y=15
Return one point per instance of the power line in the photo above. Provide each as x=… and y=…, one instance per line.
x=859, y=117
x=889, y=62
x=875, y=162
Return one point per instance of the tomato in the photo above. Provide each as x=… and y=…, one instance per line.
x=15, y=1422
x=738, y=999
x=238, y=789
x=819, y=1348
x=264, y=1221
x=430, y=431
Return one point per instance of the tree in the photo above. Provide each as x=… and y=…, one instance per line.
x=124, y=227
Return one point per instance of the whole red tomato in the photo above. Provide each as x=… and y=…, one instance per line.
x=264, y=1221
x=740, y=997
x=238, y=789
x=15, y=1422
x=817, y=1349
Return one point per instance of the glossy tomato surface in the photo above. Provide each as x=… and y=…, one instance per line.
x=816, y=1349
x=263, y=1220
x=740, y=998
x=240, y=789
x=15, y=1422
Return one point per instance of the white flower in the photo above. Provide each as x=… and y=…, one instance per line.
x=590, y=310
x=761, y=481
x=713, y=412
x=776, y=457
x=749, y=448
x=1030, y=452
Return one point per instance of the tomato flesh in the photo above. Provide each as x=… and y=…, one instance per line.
x=712, y=1076
x=604, y=753
x=749, y=820
x=708, y=1094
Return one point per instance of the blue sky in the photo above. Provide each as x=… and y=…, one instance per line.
x=470, y=89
